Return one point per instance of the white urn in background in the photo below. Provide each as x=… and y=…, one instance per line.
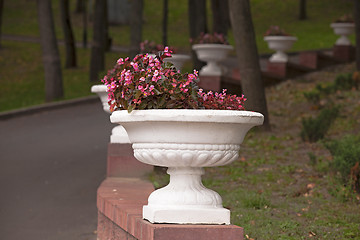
x=118, y=133
x=178, y=60
x=280, y=44
x=185, y=141
x=343, y=29
x=212, y=54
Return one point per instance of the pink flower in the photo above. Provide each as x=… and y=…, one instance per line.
x=135, y=66
x=167, y=52
x=120, y=61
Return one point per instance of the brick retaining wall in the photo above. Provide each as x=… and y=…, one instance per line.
x=120, y=201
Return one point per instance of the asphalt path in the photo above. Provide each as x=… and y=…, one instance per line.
x=51, y=163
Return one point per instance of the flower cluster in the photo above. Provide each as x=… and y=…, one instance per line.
x=221, y=101
x=151, y=47
x=148, y=82
x=276, y=31
x=216, y=38
x=347, y=18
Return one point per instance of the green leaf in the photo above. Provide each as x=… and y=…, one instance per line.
x=137, y=94
x=162, y=101
x=130, y=108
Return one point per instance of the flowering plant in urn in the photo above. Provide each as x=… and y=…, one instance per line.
x=148, y=82
x=276, y=31
x=208, y=38
x=152, y=47
x=173, y=123
x=347, y=18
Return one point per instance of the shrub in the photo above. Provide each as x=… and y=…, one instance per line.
x=346, y=159
x=313, y=96
x=344, y=82
x=314, y=129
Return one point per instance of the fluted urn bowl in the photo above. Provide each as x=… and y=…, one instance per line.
x=185, y=141
x=178, y=60
x=118, y=133
x=212, y=54
x=280, y=44
x=100, y=90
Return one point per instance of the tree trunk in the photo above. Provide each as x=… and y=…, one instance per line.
x=247, y=54
x=97, y=61
x=221, y=20
x=79, y=6
x=302, y=10
x=165, y=21
x=197, y=24
x=357, y=32
x=84, y=18
x=108, y=40
x=1, y=13
x=70, y=48
x=136, y=19
x=51, y=58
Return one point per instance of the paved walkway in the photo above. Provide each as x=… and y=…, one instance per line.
x=51, y=163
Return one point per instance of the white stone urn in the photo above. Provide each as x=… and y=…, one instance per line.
x=178, y=60
x=211, y=54
x=185, y=141
x=280, y=44
x=344, y=30
x=100, y=90
x=118, y=133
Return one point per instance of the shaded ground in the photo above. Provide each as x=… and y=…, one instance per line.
x=275, y=191
x=51, y=164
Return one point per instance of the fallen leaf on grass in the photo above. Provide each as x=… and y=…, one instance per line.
x=249, y=238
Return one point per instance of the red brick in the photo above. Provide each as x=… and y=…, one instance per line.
x=122, y=219
x=212, y=83
x=309, y=59
x=344, y=53
x=277, y=68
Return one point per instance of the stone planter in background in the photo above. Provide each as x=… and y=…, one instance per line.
x=280, y=44
x=343, y=30
x=118, y=133
x=211, y=54
x=178, y=60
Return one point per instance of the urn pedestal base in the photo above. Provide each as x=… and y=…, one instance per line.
x=186, y=200
x=186, y=216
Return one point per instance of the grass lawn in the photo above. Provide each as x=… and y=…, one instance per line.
x=22, y=76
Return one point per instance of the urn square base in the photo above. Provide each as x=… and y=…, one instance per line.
x=186, y=216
